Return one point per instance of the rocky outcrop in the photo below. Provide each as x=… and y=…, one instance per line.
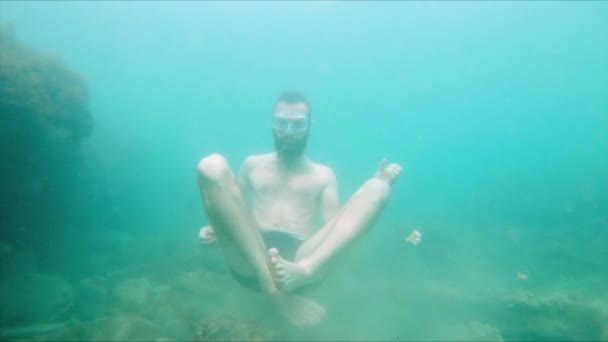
x=44, y=116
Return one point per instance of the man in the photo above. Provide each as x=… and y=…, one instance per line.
x=273, y=247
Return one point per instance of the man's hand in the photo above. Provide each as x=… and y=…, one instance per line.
x=388, y=173
x=206, y=235
x=414, y=237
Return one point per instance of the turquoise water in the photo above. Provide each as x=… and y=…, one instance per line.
x=498, y=112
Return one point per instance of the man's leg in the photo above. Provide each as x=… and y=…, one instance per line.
x=236, y=234
x=309, y=246
x=357, y=215
x=239, y=238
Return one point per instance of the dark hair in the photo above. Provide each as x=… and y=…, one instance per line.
x=293, y=97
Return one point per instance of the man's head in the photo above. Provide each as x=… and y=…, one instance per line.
x=291, y=124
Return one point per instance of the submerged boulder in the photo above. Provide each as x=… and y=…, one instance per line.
x=44, y=116
x=41, y=100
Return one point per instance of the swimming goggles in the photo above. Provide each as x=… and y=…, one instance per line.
x=291, y=125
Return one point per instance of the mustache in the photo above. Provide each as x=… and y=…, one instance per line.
x=290, y=147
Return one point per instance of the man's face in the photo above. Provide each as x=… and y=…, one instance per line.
x=290, y=124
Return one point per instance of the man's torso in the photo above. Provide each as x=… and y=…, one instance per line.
x=285, y=199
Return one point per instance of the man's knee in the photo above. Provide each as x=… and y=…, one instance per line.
x=213, y=167
x=381, y=191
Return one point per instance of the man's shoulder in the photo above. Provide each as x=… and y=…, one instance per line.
x=256, y=159
x=324, y=172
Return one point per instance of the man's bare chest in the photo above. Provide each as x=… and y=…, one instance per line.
x=283, y=186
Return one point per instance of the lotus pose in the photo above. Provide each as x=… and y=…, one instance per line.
x=262, y=218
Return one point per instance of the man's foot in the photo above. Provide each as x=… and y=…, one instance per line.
x=299, y=310
x=288, y=275
x=388, y=173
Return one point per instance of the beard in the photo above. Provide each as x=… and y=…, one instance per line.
x=289, y=148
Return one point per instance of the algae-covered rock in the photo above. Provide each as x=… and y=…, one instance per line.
x=550, y=315
x=44, y=116
x=39, y=92
x=230, y=328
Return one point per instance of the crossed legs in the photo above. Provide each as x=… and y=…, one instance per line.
x=358, y=215
x=244, y=249
x=240, y=240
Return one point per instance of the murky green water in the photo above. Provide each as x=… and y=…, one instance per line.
x=498, y=112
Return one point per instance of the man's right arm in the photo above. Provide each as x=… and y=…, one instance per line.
x=242, y=177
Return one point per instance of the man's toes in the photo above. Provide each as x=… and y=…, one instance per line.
x=275, y=258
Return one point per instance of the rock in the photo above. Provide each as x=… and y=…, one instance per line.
x=550, y=315
x=133, y=291
x=91, y=299
x=479, y=331
x=35, y=299
x=230, y=328
x=45, y=116
x=566, y=312
x=175, y=304
x=125, y=328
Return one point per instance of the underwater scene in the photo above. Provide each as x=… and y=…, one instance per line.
x=455, y=152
